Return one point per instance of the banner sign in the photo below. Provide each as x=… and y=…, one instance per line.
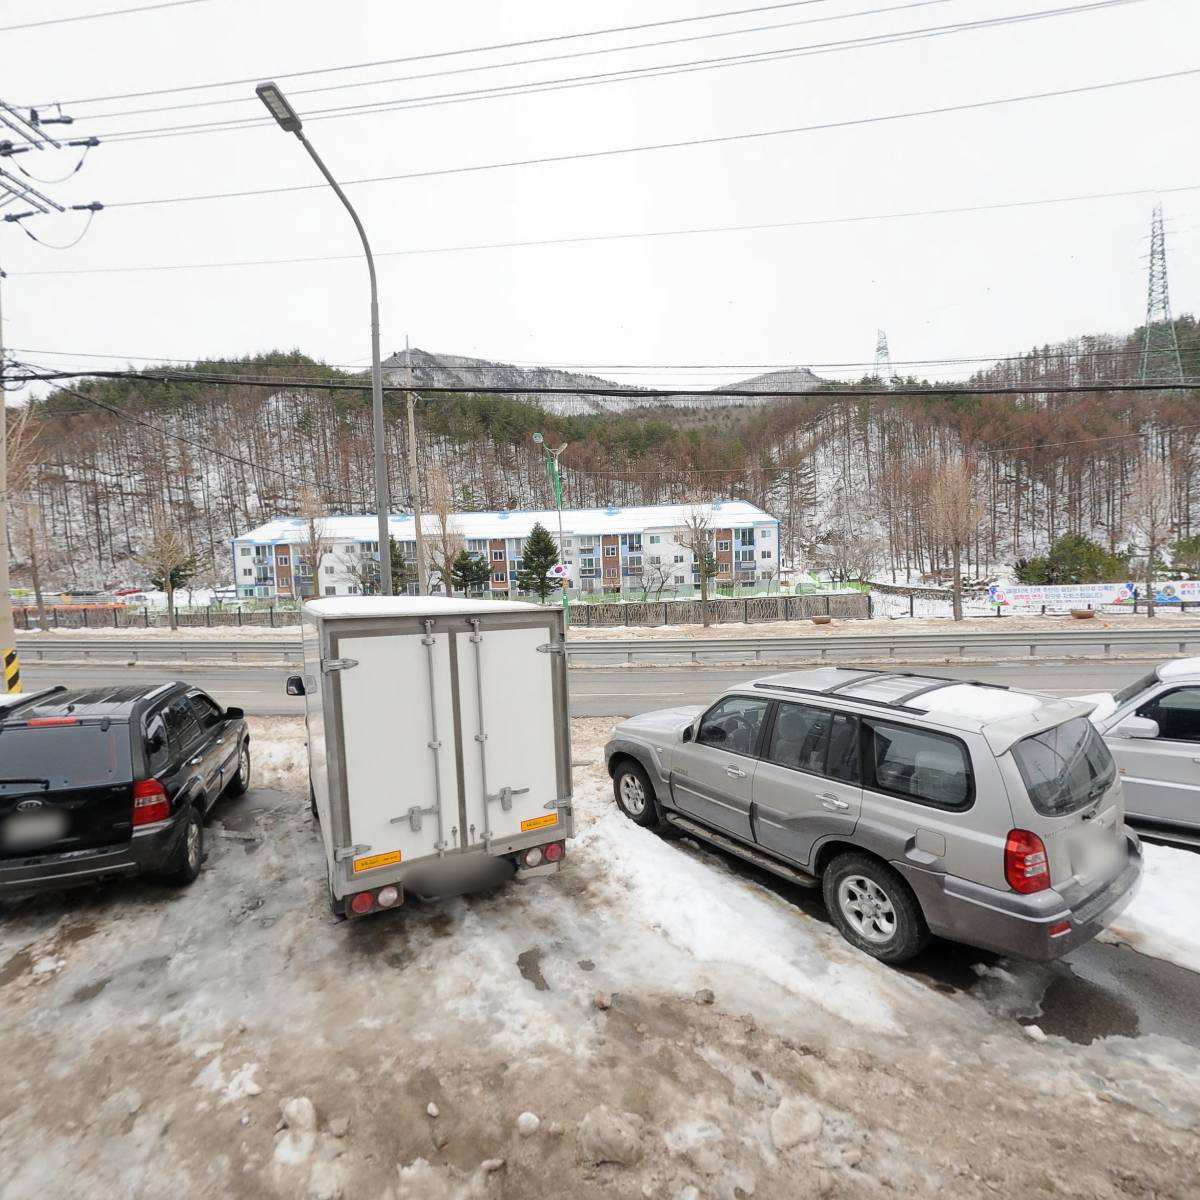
x=1080, y=595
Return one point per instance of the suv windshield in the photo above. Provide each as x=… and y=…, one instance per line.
x=1064, y=768
x=66, y=756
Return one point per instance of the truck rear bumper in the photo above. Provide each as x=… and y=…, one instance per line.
x=1040, y=926
x=147, y=850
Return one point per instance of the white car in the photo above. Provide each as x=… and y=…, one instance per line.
x=1152, y=728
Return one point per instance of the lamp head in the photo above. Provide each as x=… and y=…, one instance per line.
x=277, y=105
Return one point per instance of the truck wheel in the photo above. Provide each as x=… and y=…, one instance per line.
x=635, y=794
x=873, y=908
x=312, y=801
x=188, y=858
x=240, y=783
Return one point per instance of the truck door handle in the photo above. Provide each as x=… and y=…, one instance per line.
x=830, y=801
x=735, y=772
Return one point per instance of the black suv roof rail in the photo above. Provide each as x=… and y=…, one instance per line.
x=932, y=684
x=30, y=697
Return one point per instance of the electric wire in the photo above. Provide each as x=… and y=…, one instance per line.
x=721, y=139
x=51, y=245
x=112, y=12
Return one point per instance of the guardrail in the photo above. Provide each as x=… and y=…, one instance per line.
x=872, y=647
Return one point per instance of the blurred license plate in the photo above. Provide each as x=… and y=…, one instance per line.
x=30, y=831
x=1095, y=851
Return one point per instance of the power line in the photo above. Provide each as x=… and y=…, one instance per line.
x=154, y=133
x=112, y=12
x=574, y=54
x=584, y=239
x=849, y=123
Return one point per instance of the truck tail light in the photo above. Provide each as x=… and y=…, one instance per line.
x=362, y=902
x=1025, y=866
x=553, y=852
x=387, y=896
x=532, y=857
x=150, y=802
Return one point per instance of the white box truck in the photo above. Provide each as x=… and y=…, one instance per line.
x=439, y=746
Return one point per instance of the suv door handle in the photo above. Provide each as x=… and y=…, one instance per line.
x=735, y=772
x=195, y=762
x=830, y=801
x=220, y=741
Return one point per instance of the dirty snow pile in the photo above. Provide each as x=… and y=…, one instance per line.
x=1164, y=918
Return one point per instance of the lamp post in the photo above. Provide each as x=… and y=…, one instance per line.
x=287, y=119
x=555, y=474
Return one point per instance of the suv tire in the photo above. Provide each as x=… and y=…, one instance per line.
x=873, y=908
x=185, y=863
x=634, y=794
x=240, y=783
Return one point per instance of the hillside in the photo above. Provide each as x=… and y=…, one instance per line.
x=849, y=472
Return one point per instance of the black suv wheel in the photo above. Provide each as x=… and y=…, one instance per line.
x=873, y=908
x=241, y=781
x=188, y=858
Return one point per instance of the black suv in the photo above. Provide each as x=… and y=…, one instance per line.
x=101, y=782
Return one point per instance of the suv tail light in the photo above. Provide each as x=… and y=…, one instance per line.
x=150, y=802
x=1025, y=865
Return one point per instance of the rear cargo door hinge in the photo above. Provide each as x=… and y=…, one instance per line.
x=341, y=853
x=552, y=648
x=561, y=802
x=337, y=664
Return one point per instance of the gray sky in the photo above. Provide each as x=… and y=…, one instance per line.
x=982, y=283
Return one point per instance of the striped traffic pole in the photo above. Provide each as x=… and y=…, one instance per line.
x=12, y=671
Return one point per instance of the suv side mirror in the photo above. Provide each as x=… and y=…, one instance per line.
x=689, y=733
x=295, y=685
x=234, y=714
x=1137, y=727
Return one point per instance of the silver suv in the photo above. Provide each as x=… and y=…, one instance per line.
x=918, y=805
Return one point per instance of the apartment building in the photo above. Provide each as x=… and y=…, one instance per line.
x=613, y=549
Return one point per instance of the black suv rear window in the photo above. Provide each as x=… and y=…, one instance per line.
x=1065, y=768
x=68, y=756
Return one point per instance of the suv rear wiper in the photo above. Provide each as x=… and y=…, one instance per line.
x=27, y=779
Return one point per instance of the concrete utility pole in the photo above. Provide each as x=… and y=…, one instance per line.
x=8, y=634
x=414, y=480
x=285, y=116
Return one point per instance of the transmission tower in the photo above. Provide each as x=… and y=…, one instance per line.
x=883, y=358
x=1160, y=347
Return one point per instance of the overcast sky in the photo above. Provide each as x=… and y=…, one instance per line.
x=971, y=284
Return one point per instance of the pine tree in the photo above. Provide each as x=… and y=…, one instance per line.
x=539, y=555
x=470, y=572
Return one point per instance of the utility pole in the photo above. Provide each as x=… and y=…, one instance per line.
x=1160, y=346
x=8, y=633
x=552, y=469
x=883, y=358
x=414, y=481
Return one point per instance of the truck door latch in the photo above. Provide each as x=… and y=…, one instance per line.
x=505, y=795
x=344, y=852
x=337, y=664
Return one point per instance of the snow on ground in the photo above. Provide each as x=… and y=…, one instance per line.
x=1164, y=918
x=681, y=1029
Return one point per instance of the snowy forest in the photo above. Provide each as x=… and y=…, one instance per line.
x=103, y=462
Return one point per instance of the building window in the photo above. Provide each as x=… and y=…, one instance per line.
x=243, y=549
x=330, y=590
x=679, y=558
x=248, y=571
x=723, y=545
x=283, y=560
x=610, y=552
x=610, y=570
x=765, y=554
x=678, y=578
x=633, y=560
x=654, y=560
x=354, y=591
x=654, y=539
x=498, y=555
x=329, y=570
x=499, y=577
x=764, y=535
x=746, y=555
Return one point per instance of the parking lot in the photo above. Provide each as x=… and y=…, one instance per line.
x=679, y=1025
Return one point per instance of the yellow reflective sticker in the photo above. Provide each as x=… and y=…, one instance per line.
x=377, y=860
x=539, y=822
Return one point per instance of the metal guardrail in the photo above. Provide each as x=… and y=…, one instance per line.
x=872, y=647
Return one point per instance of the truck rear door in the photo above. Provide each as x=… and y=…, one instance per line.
x=512, y=747
x=399, y=748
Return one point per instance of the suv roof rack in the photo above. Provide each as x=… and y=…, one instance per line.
x=30, y=698
x=933, y=683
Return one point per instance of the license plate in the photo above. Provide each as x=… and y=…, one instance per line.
x=30, y=831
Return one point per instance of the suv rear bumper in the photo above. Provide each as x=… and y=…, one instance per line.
x=148, y=850
x=1016, y=925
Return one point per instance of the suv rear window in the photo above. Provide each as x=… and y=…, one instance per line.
x=917, y=764
x=1064, y=768
x=68, y=756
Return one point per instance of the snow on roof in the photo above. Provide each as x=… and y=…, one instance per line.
x=1179, y=668
x=516, y=523
x=412, y=606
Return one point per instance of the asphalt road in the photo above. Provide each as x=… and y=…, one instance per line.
x=595, y=691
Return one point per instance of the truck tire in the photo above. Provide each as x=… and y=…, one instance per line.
x=873, y=908
x=185, y=863
x=240, y=783
x=635, y=794
x=312, y=801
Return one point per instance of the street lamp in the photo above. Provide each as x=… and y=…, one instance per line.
x=555, y=474
x=288, y=120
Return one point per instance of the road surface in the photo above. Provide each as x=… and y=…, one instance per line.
x=595, y=691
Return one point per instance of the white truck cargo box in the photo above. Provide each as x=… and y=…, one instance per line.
x=438, y=744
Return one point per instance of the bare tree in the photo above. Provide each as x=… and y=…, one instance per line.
x=447, y=542
x=845, y=553
x=768, y=573
x=24, y=457
x=313, y=543
x=359, y=569
x=696, y=535
x=954, y=515
x=655, y=577
x=170, y=565
x=1149, y=513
